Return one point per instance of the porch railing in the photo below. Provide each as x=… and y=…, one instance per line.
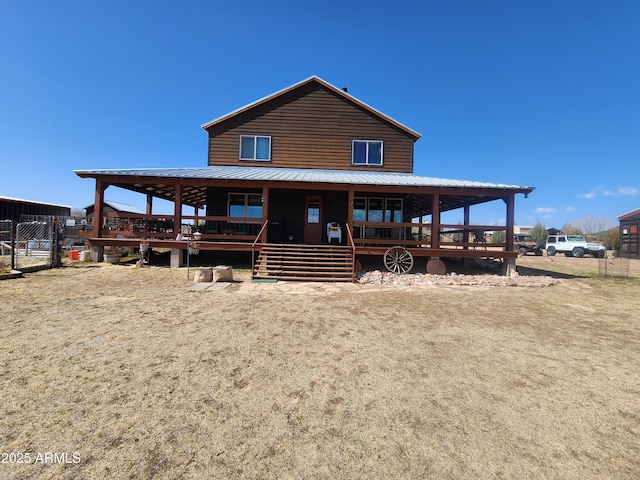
x=361, y=234
x=212, y=228
x=253, y=245
x=353, y=251
x=421, y=235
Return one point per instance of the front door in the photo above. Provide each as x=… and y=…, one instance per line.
x=312, y=218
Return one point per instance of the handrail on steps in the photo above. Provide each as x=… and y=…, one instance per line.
x=353, y=252
x=253, y=246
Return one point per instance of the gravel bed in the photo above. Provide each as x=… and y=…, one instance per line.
x=378, y=277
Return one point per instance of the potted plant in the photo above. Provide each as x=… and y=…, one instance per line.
x=111, y=255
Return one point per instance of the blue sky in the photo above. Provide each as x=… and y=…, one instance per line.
x=539, y=93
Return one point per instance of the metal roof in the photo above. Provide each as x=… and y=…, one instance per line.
x=34, y=202
x=349, y=177
x=120, y=207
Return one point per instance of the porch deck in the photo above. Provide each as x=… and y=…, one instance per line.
x=366, y=238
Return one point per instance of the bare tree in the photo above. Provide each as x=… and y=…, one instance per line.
x=572, y=229
x=611, y=238
x=594, y=228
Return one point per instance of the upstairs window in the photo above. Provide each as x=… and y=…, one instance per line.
x=366, y=152
x=255, y=147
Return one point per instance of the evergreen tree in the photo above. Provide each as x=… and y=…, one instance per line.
x=539, y=233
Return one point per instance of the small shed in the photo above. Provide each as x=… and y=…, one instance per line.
x=16, y=208
x=113, y=210
x=629, y=223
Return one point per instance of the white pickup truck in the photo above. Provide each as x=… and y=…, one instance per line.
x=573, y=246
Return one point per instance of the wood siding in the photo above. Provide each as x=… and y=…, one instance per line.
x=310, y=127
x=629, y=237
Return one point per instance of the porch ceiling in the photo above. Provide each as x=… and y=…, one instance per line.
x=422, y=204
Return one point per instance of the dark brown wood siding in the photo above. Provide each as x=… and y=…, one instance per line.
x=311, y=127
x=629, y=235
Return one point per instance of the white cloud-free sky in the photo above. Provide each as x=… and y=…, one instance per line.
x=539, y=93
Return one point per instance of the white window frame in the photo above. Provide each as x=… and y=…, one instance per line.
x=368, y=143
x=255, y=148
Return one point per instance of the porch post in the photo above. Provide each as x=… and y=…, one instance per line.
x=465, y=231
x=510, y=221
x=177, y=253
x=435, y=221
x=97, y=252
x=352, y=195
x=465, y=234
x=177, y=209
x=98, y=203
x=265, y=213
x=149, y=204
x=510, y=263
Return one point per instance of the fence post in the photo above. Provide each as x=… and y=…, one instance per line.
x=12, y=242
x=56, y=243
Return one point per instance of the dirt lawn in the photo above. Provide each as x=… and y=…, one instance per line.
x=123, y=372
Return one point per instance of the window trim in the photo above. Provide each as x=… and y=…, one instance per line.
x=385, y=209
x=246, y=204
x=255, y=148
x=367, y=162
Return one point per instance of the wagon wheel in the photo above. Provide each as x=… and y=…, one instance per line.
x=398, y=260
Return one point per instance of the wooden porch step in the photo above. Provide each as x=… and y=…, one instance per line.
x=304, y=263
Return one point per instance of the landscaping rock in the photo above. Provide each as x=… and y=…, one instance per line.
x=377, y=277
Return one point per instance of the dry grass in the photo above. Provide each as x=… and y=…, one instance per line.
x=146, y=379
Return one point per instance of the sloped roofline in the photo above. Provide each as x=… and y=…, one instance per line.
x=303, y=175
x=328, y=86
x=629, y=215
x=119, y=207
x=34, y=202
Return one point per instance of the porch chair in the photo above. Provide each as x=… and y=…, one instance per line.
x=334, y=230
x=479, y=236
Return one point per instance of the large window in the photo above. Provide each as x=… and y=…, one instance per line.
x=254, y=147
x=375, y=209
x=393, y=210
x=245, y=205
x=359, y=209
x=366, y=152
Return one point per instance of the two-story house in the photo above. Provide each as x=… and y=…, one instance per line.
x=310, y=171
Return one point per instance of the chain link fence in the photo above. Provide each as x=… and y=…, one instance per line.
x=38, y=241
x=5, y=245
x=34, y=246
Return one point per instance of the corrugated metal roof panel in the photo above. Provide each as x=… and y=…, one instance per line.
x=298, y=175
x=34, y=202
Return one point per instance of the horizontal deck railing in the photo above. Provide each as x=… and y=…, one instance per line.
x=363, y=234
x=211, y=228
x=417, y=235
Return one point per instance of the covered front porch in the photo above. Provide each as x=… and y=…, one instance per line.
x=246, y=214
